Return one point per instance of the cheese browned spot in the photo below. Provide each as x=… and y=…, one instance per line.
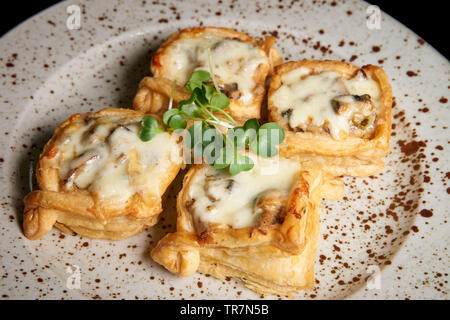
x=234, y=63
x=109, y=160
x=327, y=102
x=218, y=198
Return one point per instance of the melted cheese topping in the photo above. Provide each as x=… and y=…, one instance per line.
x=109, y=160
x=309, y=96
x=233, y=61
x=224, y=199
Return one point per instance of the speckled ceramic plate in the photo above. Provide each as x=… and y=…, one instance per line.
x=396, y=221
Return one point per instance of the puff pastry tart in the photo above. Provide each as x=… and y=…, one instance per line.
x=98, y=179
x=239, y=62
x=261, y=226
x=333, y=112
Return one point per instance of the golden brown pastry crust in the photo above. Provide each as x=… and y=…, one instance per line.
x=352, y=155
x=153, y=95
x=279, y=261
x=274, y=275
x=78, y=210
x=150, y=99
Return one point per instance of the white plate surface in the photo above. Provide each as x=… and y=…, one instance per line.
x=49, y=72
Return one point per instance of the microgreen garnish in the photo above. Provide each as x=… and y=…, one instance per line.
x=210, y=109
x=196, y=80
x=206, y=104
x=150, y=128
x=269, y=136
x=229, y=157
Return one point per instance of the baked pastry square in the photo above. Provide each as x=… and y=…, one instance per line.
x=261, y=226
x=98, y=179
x=333, y=112
x=240, y=65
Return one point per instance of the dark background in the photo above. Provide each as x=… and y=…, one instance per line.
x=426, y=18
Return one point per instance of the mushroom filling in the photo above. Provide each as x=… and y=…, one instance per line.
x=234, y=63
x=108, y=159
x=360, y=112
x=327, y=103
x=271, y=205
x=254, y=198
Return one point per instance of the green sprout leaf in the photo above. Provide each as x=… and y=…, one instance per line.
x=149, y=122
x=220, y=165
x=225, y=158
x=177, y=122
x=275, y=132
x=269, y=136
x=220, y=100
x=199, y=95
x=188, y=101
x=191, y=111
x=263, y=147
x=209, y=91
x=251, y=124
x=251, y=127
x=150, y=128
x=196, y=80
x=147, y=134
x=241, y=163
x=168, y=114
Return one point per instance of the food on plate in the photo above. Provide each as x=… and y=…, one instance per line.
x=250, y=208
x=238, y=62
x=261, y=226
x=333, y=112
x=99, y=178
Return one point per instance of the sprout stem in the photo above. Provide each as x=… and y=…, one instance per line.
x=211, y=70
x=221, y=123
x=172, y=92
